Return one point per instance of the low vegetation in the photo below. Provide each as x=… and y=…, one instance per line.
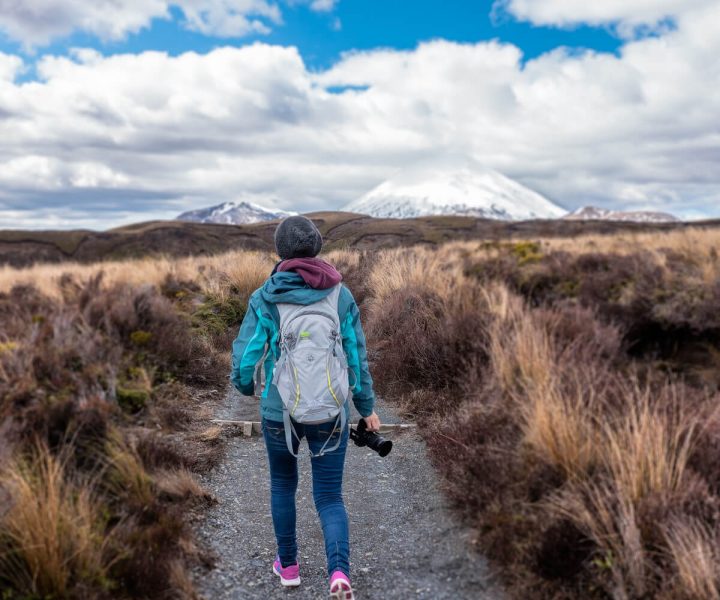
x=107, y=379
x=567, y=388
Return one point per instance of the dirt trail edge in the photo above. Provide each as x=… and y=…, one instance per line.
x=404, y=543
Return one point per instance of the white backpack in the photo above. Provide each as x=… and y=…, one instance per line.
x=311, y=374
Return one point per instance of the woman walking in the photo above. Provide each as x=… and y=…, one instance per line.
x=306, y=388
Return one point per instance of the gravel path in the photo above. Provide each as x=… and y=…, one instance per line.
x=404, y=543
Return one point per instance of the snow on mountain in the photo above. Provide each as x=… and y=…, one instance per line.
x=234, y=213
x=452, y=189
x=593, y=213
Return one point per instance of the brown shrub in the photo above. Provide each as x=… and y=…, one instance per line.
x=420, y=342
x=83, y=371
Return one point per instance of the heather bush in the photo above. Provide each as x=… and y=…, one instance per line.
x=423, y=341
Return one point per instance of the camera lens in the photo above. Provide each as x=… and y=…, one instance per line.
x=378, y=443
x=384, y=448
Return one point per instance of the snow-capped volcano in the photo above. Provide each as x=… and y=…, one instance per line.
x=234, y=213
x=593, y=213
x=448, y=189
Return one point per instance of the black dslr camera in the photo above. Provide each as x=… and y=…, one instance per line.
x=362, y=437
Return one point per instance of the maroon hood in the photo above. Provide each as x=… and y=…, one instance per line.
x=317, y=273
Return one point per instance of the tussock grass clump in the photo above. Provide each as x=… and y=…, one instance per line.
x=693, y=548
x=54, y=534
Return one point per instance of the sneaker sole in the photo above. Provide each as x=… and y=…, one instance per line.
x=342, y=594
x=286, y=582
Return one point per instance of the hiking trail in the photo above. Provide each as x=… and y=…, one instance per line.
x=404, y=542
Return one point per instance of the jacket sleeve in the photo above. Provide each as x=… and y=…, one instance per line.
x=247, y=349
x=356, y=352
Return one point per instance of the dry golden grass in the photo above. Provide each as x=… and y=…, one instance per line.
x=393, y=269
x=212, y=433
x=126, y=475
x=558, y=426
x=439, y=266
x=561, y=430
x=642, y=450
x=419, y=266
x=214, y=274
x=609, y=520
x=344, y=256
x=180, y=483
x=223, y=275
x=53, y=530
x=646, y=450
x=520, y=352
x=692, y=242
x=693, y=549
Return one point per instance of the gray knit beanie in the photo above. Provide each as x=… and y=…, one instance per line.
x=297, y=237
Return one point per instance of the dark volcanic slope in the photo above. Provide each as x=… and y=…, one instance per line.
x=175, y=238
x=340, y=229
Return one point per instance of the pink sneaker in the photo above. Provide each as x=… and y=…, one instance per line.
x=289, y=576
x=340, y=588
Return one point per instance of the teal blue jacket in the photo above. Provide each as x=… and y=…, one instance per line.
x=259, y=334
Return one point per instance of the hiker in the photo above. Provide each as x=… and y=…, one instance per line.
x=303, y=328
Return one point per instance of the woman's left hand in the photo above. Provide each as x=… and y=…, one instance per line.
x=372, y=422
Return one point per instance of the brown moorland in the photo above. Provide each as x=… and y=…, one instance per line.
x=340, y=230
x=567, y=388
x=568, y=391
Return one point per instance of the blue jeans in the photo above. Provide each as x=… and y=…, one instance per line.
x=327, y=473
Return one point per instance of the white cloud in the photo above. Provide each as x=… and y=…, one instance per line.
x=38, y=172
x=323, y=5
x=229, y=18
x=38, y=22
x=628, y=15
x=316, y=5
x=10, y=66
x=152, y=135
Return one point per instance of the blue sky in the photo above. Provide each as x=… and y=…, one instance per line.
x=323, y=36
x=308, y=104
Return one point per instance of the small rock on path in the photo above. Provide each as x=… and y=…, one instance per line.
x=404, y=543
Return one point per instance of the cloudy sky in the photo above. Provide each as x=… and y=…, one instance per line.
x=115, y=111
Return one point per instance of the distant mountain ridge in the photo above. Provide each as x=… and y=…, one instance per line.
x=593, y=213
x=234, y=213
x=340, y=230
x=448, y=189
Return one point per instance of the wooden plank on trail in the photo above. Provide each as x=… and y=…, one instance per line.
x=250, y=428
